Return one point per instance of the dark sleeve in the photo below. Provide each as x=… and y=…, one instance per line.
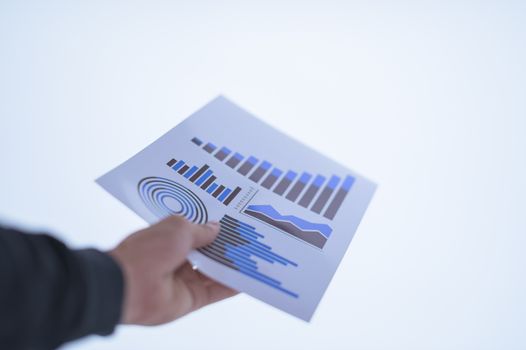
x=50, y=294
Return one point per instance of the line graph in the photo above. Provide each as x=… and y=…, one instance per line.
x=312, y=233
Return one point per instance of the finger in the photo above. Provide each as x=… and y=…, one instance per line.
x=187, y=235
x=189, y=275
x=204, y=234
x=218, y=291
x=203, y=294
x=205, y=289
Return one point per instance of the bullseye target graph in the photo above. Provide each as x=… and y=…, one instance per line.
x=165, y=197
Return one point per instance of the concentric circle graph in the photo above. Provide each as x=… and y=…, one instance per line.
x=165, y=197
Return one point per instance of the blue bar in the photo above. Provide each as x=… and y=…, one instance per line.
x=265, y=165
x=225, y=150
x=319, y=180
x=234, y=160
x=209, y=147
x=252, y=160
x=253, y=234
x=305, y=177
x=224, y=194
x=291, y=175
x=190, y=172
x=242, y=224
x=178, y=165
x=333, y=182
x=248, y=235
x=231, y=254
x=203, y=177
x=211, y=188
x=276, y=172
x=237, y=231
x=240, y=255
x=347, y=183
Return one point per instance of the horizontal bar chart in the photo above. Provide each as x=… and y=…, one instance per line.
x=315, y=192
x=238, y=247
x=204, y=178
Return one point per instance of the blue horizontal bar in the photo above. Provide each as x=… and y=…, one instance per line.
x=225, y=193
x=256, y=252
x=202, y=179
x=248, y=230
x=242, y=255
x=292, y=294
x=273, y=256
x=190, y=172
x=178, y=165
x=230, y=249
x=234, y=228
x=211, y=188
x=240, y=223
x=252, y=160
x=263, y=278
x=240, y=262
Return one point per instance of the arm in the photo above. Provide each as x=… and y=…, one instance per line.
x=50, y=294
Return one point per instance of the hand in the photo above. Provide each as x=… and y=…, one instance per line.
x=160, y=285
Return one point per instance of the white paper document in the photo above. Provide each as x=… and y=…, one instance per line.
x=287, y=213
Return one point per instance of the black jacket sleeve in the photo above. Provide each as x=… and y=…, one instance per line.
x=50, y=294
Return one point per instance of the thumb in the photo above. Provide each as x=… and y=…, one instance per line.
x=204, y=234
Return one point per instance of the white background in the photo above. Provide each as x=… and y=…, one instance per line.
x=427, y=99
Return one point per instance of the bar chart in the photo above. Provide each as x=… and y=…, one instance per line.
x=204, y=178
x=238, y=248
x=318, y=193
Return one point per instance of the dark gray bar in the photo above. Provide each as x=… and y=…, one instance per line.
x=208, y=182
x=199, y=172
x=218, y=191
x=269, y=181
x=183, y=169
x=282, y=186
x=209, y=148
x=197, y=141
x=221, y=155
x=233, y=162
x=322, y=199
x=258, y=174
x=335, y=204
x=232, y=196
x=245, y=168
x=171, y=162
x=295, y=191
x=308, y=196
